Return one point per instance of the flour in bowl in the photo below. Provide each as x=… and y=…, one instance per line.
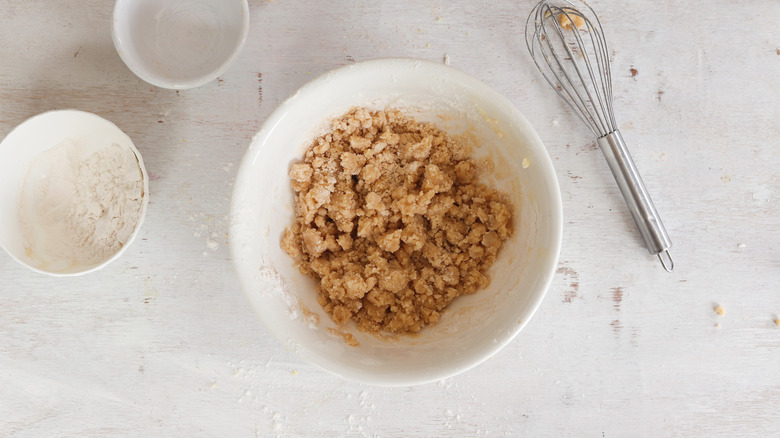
x=79, y=210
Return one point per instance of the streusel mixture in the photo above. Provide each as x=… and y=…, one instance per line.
x=392, y=221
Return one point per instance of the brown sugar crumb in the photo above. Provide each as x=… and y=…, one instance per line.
x=392, y=221
x=569, y=16
x=348, y=338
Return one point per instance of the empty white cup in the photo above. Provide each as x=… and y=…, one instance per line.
x=179, y=44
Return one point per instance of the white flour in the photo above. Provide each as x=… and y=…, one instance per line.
x=76, y=210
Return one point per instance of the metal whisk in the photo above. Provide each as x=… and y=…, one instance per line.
x=569, y=48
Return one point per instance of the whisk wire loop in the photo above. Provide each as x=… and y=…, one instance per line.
x=569, y=94
x=570, y=80
x=577, y=68
x=602, y=87
x=598, y=102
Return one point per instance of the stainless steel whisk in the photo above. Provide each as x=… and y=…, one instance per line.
x=570, y=51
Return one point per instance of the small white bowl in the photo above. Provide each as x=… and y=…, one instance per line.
x=472, y=328
x=179, y=44
x=23, y=145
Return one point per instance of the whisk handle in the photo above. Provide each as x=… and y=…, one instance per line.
x=638, y=199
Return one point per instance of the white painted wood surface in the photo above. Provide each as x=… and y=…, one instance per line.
x=163, y=343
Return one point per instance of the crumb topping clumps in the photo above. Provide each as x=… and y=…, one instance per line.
x=392, y=221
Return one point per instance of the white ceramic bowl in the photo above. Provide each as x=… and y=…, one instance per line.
x=474, y=327
x=179, y=44
x=21, y=147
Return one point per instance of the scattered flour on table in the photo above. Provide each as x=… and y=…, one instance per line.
x=80, y=210
x=211, y=226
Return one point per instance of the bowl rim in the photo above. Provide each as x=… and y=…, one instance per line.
x=282, y=110
x=144, y=200
x=160, y=81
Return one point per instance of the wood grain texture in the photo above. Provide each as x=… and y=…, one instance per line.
x=163, y=343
